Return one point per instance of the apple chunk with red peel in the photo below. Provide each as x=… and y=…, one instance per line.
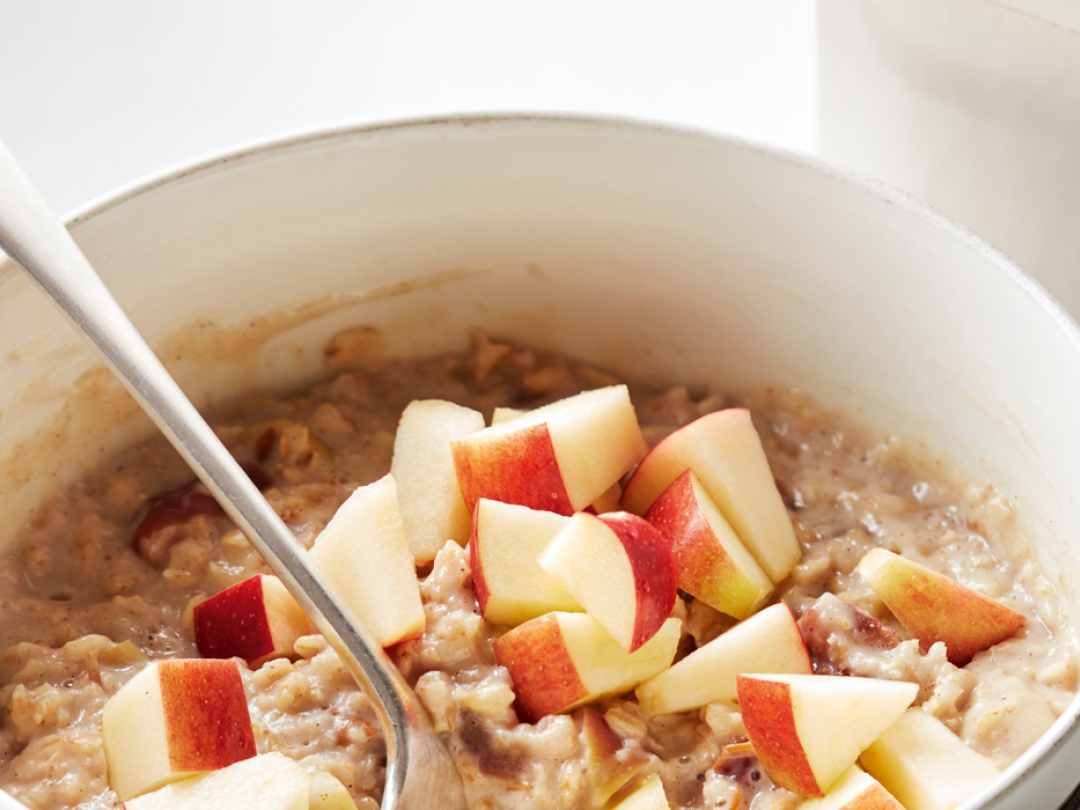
x=256, y=620
x=926, y=766
x=620, y=569
x=564, y=660
x=177, y=718
x=506, y=542
x=855, y=790
x=432, y=509
x=808, y=729
x=559, y=458
x=934, y=608
x=724, y=451
x=267, y=782
x=711, y=563
x=767, y=642
x=364, y=555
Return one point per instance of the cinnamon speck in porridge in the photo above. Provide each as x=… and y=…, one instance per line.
x=107, y=579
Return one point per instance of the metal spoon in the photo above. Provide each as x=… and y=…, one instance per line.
x=420, y=774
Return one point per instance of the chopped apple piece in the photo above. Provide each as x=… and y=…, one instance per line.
x=432, y=509
x=500, y=415
x=363, y=553
x=768, y=642
x=266, y=782
x=609, y=501
x=808, y=729
x=856, y=790
x=511, y=587
x=649, y=795
x=934, y=608
x=620, y=569
x=559, y=458
x=609, y=763
x=564, y=660
x=724, y=451
x=256, y=620
x=177, y=718
x=327, y=793
x=924, y=765
x=711, y=563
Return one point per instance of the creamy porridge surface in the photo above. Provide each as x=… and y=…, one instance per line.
x=82, y=608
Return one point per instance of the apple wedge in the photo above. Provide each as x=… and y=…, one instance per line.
x=564, y=660
x=934, y=608
x=506, y=541
x=327, y=793
x=267, y=782
x=177, y=718
x=620, y=569
x=609, y=763
x=256, y=620
x=364, y=554
x=924, y=765
x=559, y=458
x=647, y=795
x=724, y=452
x=855, y=790
x=432, y=509
x=808, y=729
x=767, y=642
x=711, y=563
x=500, y=415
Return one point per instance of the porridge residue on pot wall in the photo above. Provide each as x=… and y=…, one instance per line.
x=82, y=610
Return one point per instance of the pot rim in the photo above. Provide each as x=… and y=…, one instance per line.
x=1066, y=726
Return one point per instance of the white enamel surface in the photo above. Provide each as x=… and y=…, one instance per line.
x=662, y=254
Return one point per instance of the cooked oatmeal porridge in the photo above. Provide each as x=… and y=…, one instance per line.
x=108, y=576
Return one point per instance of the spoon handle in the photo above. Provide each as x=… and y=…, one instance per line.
x=35, y=238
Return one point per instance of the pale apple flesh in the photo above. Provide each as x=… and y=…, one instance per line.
x=558, y=458
x=269, y=781
x=500, y=415
x=327, y=793
x=620, y=569
x=924, y=765
x=432, y=508
x=767, y=642
x=256, y=620
x=807, y=730
x=646, y=795
x=711, y=563
x=724, y=451
x=610, y=763
x=366, y=558
x=177, y=718
x=561, y=661
x=855, y=790
x=933, y=607
x=506, y=542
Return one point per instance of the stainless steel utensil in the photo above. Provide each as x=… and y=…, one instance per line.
x=420, y=774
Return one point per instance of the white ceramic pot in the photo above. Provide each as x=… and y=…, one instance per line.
x=664, y=254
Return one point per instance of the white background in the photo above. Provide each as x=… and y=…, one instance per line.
x=98, y=93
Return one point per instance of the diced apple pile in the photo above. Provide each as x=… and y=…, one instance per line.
x=586, y=593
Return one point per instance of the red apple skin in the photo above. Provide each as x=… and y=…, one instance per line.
x=518, y=468
x=770, y=724
x=234, y=623
x=203, y=701
x=654, y=572
x=545, y=678
x=480, y=585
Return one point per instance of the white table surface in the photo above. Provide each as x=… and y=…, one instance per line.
x=97, y=94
